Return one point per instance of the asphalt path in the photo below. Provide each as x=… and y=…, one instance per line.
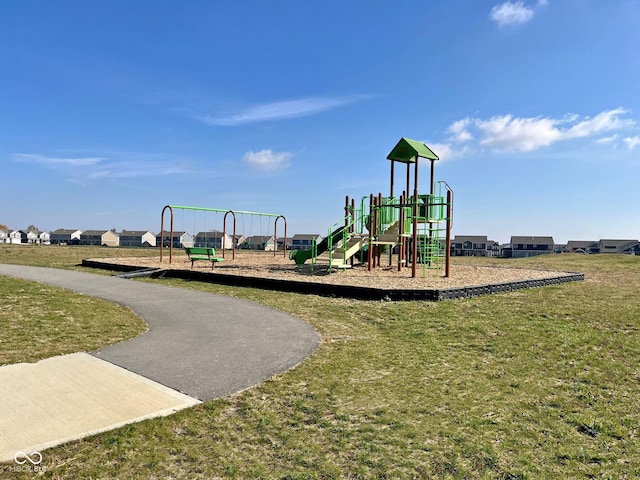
x=201, y=344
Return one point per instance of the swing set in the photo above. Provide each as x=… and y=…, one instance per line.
x=260, y=215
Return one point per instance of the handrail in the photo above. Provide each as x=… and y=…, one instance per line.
x=346, y=222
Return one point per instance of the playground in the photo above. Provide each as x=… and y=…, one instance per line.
x=264, y=265
x=394, y=243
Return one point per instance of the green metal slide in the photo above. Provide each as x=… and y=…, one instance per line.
x=301, y=256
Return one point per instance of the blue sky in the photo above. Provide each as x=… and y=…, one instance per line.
x=112, y=109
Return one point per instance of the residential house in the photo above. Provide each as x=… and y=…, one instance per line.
x=179, y=240
x=470, y=246
x=107, y=238
x=239, y=240
x=44, y=238
x=4, y=236
x=18, y=236
x=214, y=239
x=631, y=249
x=616, y=246
x=137, y=238
x=560, y=248
x=282, y=245
x=64, y=236
x=493, y=248
x=582, y=246
x=33, y=236
x=304, y=241
x=528, y=247
x=260, y=242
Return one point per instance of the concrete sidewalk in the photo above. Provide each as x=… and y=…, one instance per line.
x=63, y=398
x=203, y=345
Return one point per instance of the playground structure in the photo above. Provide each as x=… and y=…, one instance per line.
x=417, y=226
x=233, y=248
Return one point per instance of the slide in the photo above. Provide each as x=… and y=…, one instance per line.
x=301, y=256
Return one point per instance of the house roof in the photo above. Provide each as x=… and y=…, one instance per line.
x=615, y=243
x=64, y=231
x=532, y=240
x=306, y=236
x=259, y=239
x=96, y=232
x=470, y=238
x=213, y=234
x=580, y=243
x=175, y=233
x=136, y=233
x=406, y=151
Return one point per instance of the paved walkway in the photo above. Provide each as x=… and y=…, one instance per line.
x=202, y=345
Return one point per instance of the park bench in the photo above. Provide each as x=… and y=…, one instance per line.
x=202, y=253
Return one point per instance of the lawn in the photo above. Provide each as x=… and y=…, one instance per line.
x=539, y=383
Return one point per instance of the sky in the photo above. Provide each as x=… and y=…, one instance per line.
x=110, y=110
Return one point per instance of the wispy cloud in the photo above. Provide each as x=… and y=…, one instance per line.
x=513, y=13
x=82, y=170
x=279, y=110
x=268, y=160
x=57, y=162
x=508, y=133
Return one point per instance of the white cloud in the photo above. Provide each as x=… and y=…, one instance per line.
x=508, y=133
x=444, y=151
x=57, y=162
x=511, y=13
x=448, y=151
x=603, y=122
x=459, y=131
x=505, y=132
x=280, y=110
x=268, y=160
x=632, y=142
x=607, y=140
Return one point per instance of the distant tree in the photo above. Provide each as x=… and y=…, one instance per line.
x=4, y=227
x=32, y=228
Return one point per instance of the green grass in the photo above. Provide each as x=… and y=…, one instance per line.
x=38, y=321
x=539, y=383
x=64, y=256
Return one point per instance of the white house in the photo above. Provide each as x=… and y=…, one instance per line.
x=18, y=236
x=64, y=236
x=215, y=239
x=33, y=236
x=180, y=239
x=107, y=238
x=4, y=236
x=137, y=238
x=44, y=238
x=260, y=242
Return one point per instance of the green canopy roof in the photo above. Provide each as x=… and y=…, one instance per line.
x=406, y=151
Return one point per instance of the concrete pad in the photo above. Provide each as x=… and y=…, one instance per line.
x=68, y=397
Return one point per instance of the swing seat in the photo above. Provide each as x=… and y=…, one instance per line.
x=201, y=253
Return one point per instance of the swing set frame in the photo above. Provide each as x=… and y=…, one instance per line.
x=171, y=209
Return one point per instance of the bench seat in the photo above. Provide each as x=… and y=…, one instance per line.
x=202, y=253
